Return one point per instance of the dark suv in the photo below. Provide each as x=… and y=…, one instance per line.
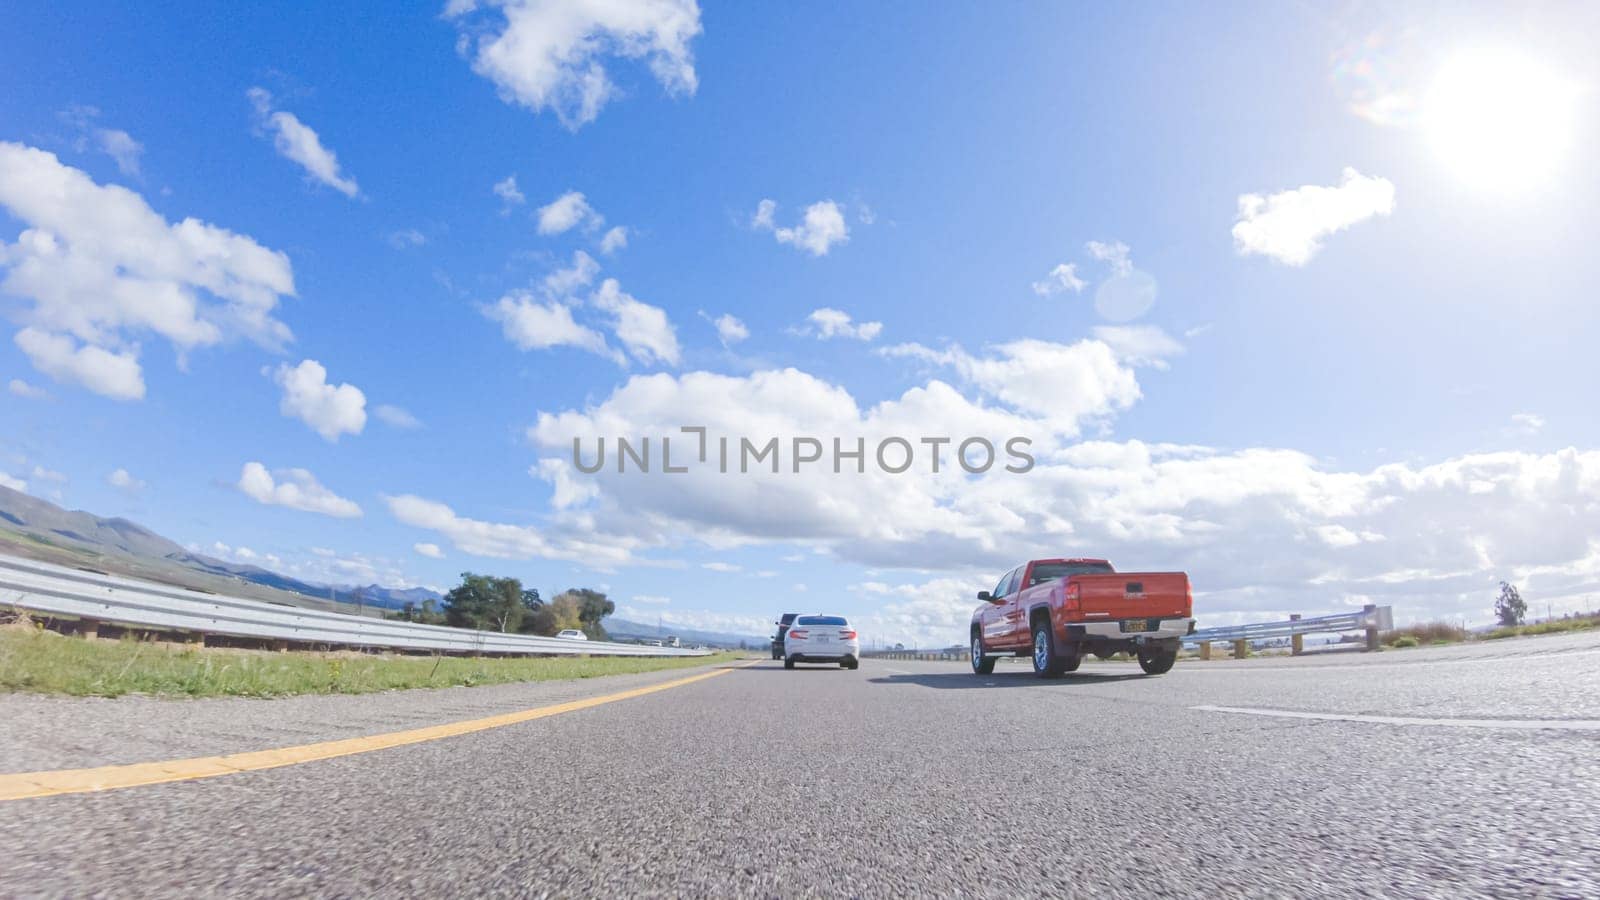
x=783, y=629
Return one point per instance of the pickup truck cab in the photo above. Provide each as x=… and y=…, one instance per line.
x=1057, y=610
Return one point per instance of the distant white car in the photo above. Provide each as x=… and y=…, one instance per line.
x=821, y=639
x=572, y=634
x=652, y=643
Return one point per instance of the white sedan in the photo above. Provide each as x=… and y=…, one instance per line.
x=572, y=634
x=821, y=639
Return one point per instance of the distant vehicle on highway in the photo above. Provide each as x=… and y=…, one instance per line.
x=821, y=639
x=652, y=643
x=1057, y=610
x=572, y=634
x=672, y=641
x=777, y=639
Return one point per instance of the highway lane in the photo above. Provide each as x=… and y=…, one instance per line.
x=900, y=778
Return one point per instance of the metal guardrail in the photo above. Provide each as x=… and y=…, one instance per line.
x=1371, y=619
x=95, y=598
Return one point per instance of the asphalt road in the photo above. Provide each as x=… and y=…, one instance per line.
x=898, y=779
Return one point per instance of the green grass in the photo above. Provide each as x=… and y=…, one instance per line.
x=1554, y=626
x=42, y=661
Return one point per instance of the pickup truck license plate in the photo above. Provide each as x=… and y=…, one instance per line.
x=1132, y=625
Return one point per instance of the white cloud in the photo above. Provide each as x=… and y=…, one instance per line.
x=431, y=551
x=294, y=488
x=501, y=540
x=1063, y=277
x=20, y=388
x=566, y=212
x=730, y=330
x=642, y=328
x=651, y=599
x=395, y=416
x=699, y=620
x=100, y=267
x=1289, y=226
x=330, y=410
x=722, y=567
x=298, y=143
x=113, y=142
x=40, y=473
x=507, y=191
x=819, y=229
x=1140, y=345
x=15, y=484
x=549, y=55
x=615, y=239
x=114, y=375
x=1527, y=423
x=827, y=323
x=123, y=481
x=544, y=320
x=406, y=239
x=1112, y=253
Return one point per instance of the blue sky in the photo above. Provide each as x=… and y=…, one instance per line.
x=1377, y=391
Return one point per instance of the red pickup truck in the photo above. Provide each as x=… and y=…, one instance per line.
x=1059, y=609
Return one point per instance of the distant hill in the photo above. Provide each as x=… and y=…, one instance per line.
x=623, y=629
x=41, y=530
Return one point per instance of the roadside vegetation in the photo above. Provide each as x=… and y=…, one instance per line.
x=1425, y=634
x=1551, y=626
x=37, y=660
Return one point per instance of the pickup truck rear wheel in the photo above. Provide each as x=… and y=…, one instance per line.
x=1157, y=662
x=1047, y=661
x=982, y=663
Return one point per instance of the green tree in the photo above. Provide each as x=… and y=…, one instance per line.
x=485, y=603
x=587, y=608
x=537, y=616
x=1510, y=607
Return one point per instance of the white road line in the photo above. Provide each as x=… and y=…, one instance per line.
x=1514, y=724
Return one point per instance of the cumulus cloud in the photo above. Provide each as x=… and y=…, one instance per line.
x=1527, y=423
x=1062, y=278
x=395, y=416
x=431, y=551
x=642, y=328
x=543, y=319
x=724, y=567
x=113, y=142
x=298, y=143
x=730, y=330
x=295, y=489
x=821, y=227
x=123, y=481
x=20, y=388
x=550, y=56
x=98, y=268
x=566, y=212
x=502, y=540
x=15, y=484
x=828, y=323
x=508, y=193
x=330, y=410
x=1289, y=226
x=615, y=239
x=114, y=375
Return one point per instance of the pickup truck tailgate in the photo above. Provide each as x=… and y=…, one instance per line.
x=1131, y=595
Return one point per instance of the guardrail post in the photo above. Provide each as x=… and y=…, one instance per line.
x=1205, y=649
x=89, y=629
x=1241, y=648
x=281, y=645
x=1371, y=612
x=1297, y=642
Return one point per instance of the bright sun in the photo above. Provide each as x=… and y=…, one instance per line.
x=1500, y=120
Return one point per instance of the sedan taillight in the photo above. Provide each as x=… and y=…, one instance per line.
x=798, y=634
x=847, y=635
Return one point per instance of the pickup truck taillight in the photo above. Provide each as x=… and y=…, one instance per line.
x=1074, y=599
x=847, y=635
x=798, y=634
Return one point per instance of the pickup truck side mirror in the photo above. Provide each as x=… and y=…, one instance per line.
x=985, y=596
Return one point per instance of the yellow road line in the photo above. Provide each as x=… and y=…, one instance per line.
x=24, y=785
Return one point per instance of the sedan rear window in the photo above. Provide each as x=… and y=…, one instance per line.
x=821, y=620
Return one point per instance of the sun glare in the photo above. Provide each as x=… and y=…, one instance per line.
x=1500, y=120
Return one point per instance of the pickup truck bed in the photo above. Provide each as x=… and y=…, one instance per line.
x=1058, y=610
